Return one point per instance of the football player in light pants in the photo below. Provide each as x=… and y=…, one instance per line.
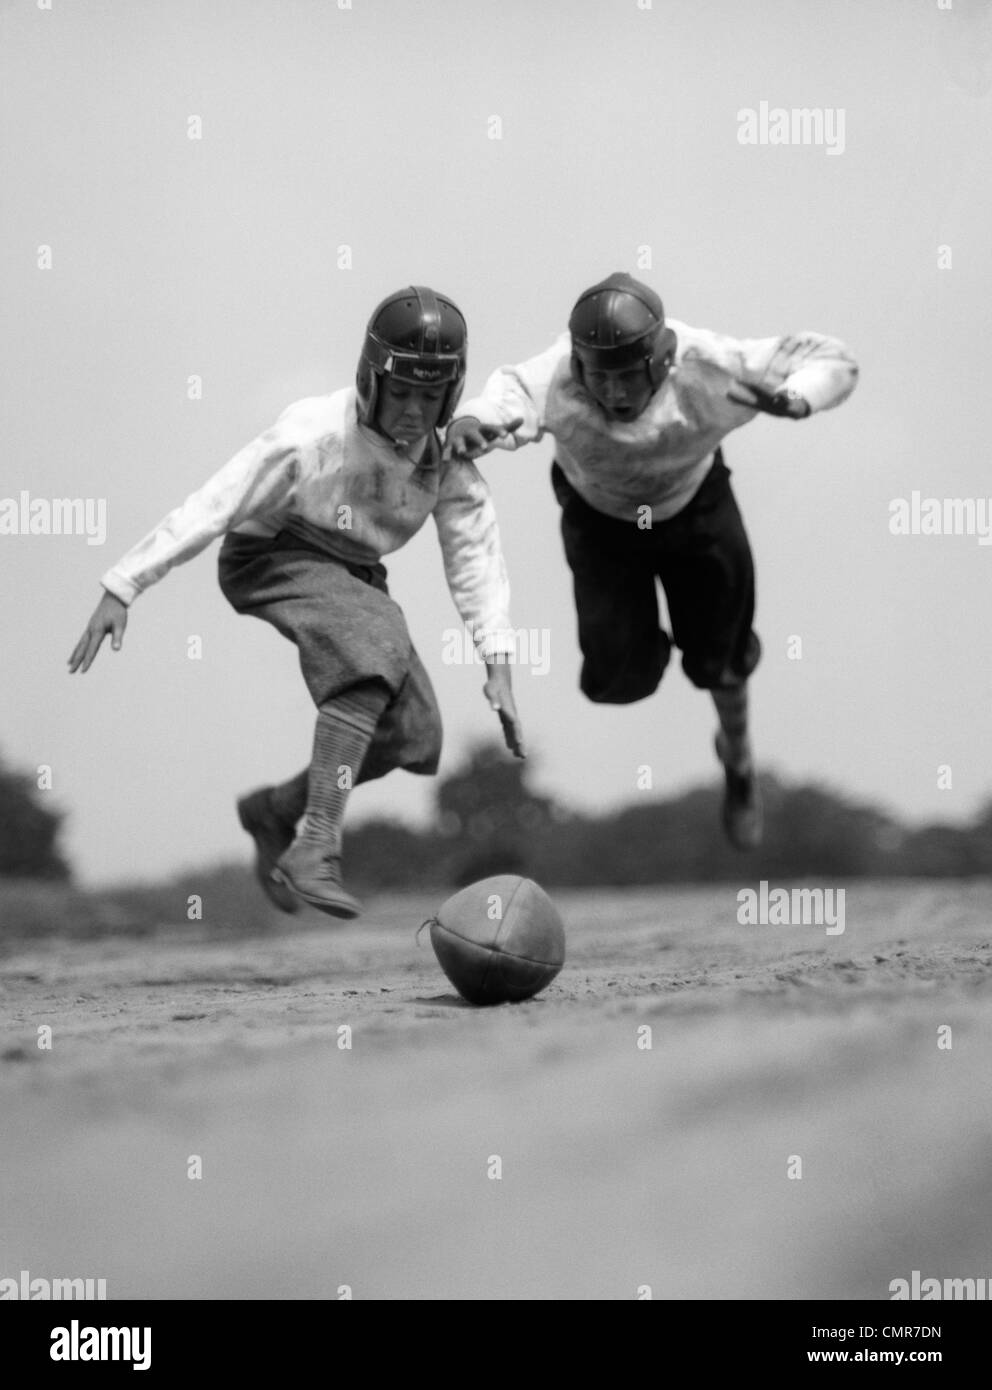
x=307, y=511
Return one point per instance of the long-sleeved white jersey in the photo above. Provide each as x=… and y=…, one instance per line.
x=322, y=475
x=660, y=459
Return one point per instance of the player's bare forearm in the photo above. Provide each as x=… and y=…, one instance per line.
x=468, y=439
x=783, y=402
x=109, y=616
x=498, y=691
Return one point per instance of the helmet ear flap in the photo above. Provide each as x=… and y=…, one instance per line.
x=450, y=401
x=663, y=356
x=367, y=382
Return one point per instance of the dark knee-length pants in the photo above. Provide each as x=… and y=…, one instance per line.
x=702, y=558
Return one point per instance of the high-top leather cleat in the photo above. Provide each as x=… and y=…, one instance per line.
x=743, y=817
x=272, y=837
x=313, y=871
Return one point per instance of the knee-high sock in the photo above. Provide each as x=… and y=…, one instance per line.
x=289, y=798
x=344, y=730
x=731, y=706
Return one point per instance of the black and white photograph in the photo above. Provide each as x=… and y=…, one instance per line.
x=495, y=754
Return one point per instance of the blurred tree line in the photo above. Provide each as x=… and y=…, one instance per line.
x=488, y=820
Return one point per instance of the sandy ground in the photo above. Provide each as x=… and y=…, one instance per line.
x=621, y=1166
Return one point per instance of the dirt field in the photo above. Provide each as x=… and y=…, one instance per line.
x=622, y=1166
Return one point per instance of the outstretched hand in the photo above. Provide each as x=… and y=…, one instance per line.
x=110, y=615
x=467, y=438
x=782, y=402
x=499, y=692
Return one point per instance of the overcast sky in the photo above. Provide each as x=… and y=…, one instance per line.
x=370, y=127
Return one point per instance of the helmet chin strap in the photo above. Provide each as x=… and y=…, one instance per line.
x=402, y=446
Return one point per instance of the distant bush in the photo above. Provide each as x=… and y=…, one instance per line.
x=386, y=854
x=230, y=901
x=32, y=909
x=232, y=905
x=29, y=830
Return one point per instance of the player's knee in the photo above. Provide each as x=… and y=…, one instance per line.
x=708, y=673
x=751, y=656
x=626, y=681
x=715, y=672
x=618, y=692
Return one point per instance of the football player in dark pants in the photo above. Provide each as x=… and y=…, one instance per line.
x=638, y=406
